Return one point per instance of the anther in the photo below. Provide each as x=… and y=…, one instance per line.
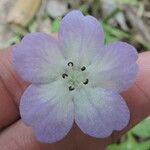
x=86, y=81
x=64, y=75
x=83, y=68
x=70, y=64
x=71, y=88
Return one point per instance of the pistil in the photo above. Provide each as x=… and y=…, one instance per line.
x=74, y=76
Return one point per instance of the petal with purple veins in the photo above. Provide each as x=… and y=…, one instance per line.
x=81, y=36
x=38, y=58
x=98, y=112
x=49, y=110
x=116, y=69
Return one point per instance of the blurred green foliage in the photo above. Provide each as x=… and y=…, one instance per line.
x=113, y=34
x=56, y=24
x=136, y=139
x=145, y=126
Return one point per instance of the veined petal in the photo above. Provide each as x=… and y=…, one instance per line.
x=98, y=112
x=49, y=110
x=81, y=37
x=116, y=69
x=38, y=58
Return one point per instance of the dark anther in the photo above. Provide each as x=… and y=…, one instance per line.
x=64, y=75
x=86, y=81
x=83, y=68
x=71, y=88
x=70, y=64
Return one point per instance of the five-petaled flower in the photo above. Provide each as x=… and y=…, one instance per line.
x=76, y=78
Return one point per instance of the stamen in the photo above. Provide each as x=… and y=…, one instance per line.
x=70, y=64
x=86, y=81
x=83, y=68
x=71, y=88
x=64, y=75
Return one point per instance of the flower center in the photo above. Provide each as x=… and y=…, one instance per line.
x=75, y=76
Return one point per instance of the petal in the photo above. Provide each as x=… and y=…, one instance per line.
x=37, y=58
x=98, y=112
x=81, y=36
x=116, y=69
x=49, y=110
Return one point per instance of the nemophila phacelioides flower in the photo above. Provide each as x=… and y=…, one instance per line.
x=76, y=78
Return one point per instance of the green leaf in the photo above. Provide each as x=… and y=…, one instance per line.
x=145, y=145
x=110, y=38
x=142, y=129
x=84, y=9
x=32, y=27
x=56, y=24
x=146, y=45
x=130, y=144
x=119, y=34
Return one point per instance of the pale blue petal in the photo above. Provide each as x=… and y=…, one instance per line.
x=116, y=68
x=81, y=37
x=38, y=58
x=49, y=110
x=98, y=112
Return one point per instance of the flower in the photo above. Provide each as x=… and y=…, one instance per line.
x=75, y=78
